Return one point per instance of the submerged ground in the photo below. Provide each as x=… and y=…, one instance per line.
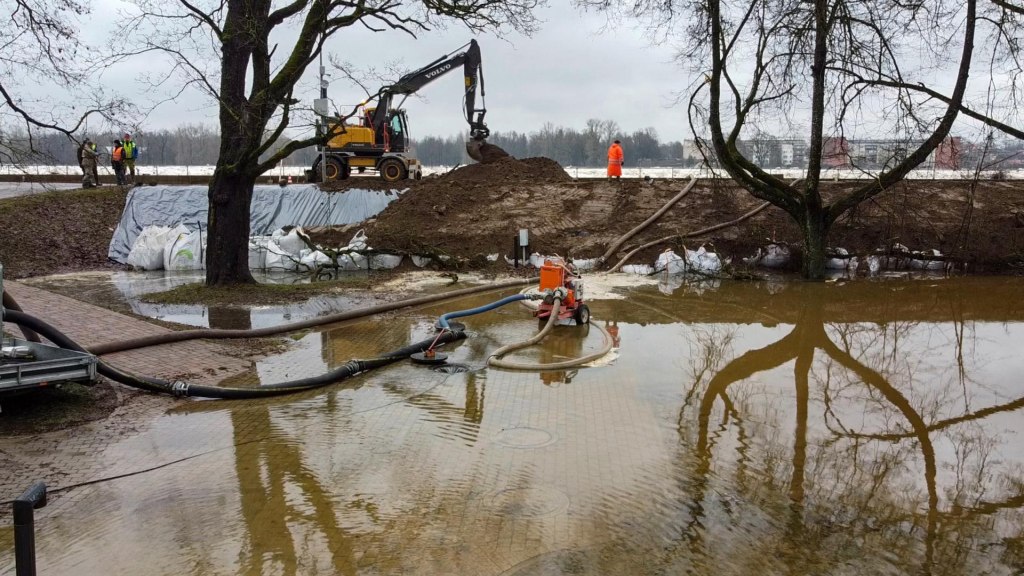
x=775, y=427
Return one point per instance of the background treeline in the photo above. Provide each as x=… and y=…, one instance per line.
x=568, y=146
x=198, y=144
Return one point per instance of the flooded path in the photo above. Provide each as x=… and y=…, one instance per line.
x=743, y=428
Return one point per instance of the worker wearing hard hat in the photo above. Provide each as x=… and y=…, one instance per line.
x=615, y=160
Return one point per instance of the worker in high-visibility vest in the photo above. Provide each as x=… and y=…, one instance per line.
x=131, y=154
x=117, y=161
x=615, y=160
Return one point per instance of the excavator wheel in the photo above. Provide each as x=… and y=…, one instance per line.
x=336, y=169
x=392, y=170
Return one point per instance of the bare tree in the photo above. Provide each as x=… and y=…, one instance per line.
x=907, y=68
x=249, y=57
x=45, y=73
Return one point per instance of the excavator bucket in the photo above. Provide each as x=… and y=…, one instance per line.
x=474, y=149
x=483, y=152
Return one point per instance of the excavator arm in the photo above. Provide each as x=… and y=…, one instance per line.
x=469, y=60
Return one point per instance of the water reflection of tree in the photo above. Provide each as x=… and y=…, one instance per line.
x=874, y=459
x=277, y=487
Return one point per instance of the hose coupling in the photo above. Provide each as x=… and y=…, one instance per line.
x=179, y=388
x=559, y=293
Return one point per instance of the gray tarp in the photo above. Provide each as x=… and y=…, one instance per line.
x=272, y=207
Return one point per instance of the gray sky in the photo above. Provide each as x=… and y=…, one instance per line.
x=575, y=68
x=572, y=70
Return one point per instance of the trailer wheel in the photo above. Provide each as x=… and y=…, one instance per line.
x=337, y=169
x=392, y=170
x=582, y=315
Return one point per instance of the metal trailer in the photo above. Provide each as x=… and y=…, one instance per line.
x=26, y=365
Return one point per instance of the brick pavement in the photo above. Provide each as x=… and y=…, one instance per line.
x=88, y=452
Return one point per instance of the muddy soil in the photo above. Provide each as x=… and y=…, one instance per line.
x=476, y=210
x=61, y=231
x=57, y=408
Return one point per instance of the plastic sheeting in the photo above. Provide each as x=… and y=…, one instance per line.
x=273, y=207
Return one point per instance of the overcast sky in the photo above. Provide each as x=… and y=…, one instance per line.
x=576, y=67
x=571, y=70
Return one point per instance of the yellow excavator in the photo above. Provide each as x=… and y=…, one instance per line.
x=377, y=139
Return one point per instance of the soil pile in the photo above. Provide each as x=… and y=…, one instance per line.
x=62, y=231
x=476, y=211
x=506, y=170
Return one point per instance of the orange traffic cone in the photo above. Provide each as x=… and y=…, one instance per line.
x=289, y=179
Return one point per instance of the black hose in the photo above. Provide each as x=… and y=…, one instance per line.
x=211, y=334
x=11, y=304
x=350, y=369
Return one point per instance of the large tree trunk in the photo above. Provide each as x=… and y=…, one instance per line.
x=227, y=259
x=815, y=232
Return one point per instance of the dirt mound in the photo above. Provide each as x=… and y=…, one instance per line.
x=490, y=153
x=507, y=170
x=62, y=231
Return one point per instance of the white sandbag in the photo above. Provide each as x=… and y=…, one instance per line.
x=874, y=264
x=314, y=260
x=185, y=250
x=841, y=263
x=293, y=242
x=641, y=269
x=384, y=261
x=771, y=256
x=703, y=261
x=258, y=252
x=352, y=262
x=536, y=260
x=492, y=257
x=278, y=258
x=147, y=252
x=918, y=264
x=421, y=261
x=586, y=265
x=670, y=262
x=359, y=241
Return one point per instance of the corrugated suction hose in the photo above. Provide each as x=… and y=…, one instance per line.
x=496, y=361
x=350, y=369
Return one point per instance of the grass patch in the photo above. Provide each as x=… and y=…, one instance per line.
x=254, y=294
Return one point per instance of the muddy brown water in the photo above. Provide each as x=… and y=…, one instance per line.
x=742, y=428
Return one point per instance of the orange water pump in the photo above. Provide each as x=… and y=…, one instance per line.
x=555, y=274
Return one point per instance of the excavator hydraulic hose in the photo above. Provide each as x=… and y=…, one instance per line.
x=351, y=368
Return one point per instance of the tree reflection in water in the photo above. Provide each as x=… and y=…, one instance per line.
x=846, y=486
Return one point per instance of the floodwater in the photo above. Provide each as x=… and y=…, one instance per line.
x=869, y=427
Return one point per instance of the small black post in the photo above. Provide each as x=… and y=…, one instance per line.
x=515, y=252
x=25, y=528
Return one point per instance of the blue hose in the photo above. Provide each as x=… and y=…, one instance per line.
x=443, y=321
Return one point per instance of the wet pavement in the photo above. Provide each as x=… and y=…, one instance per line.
x=13, y=189
x=867, y=427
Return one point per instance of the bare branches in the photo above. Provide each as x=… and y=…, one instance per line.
x=204, y=17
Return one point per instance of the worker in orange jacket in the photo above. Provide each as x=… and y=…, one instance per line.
x=615, y=160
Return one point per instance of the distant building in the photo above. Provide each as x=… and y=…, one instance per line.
x=835, y=153
x=949, y=154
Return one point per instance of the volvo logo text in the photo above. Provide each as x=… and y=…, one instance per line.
x=444, y=68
